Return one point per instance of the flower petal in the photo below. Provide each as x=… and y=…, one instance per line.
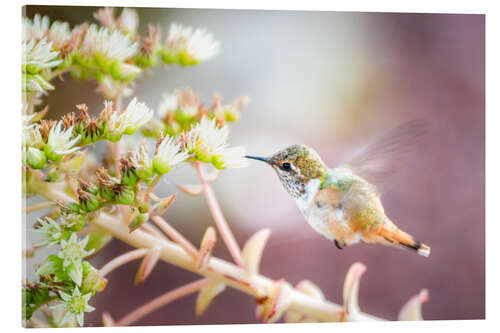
x=107, y=320
x=351, y=288
x=207, y=295
x=412, y=310
x=252, y=251
x=147, y=264
x=191, y=189
x=207, y=244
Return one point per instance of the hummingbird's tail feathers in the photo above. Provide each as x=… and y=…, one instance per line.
x=398, y=237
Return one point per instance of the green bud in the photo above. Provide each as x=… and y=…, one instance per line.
x=92, y=282
x=51, y=155
x=138, y=220
x=160, y=167
x=74, y=207
x=88, y=201
x=35, y=158
x=75, y=222
x=126, y=196
x=129, y=178
x=106, y=193
x=145, y=172
x=144, y=207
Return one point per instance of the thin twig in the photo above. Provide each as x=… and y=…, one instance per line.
x=174, y=235
x=38, y=206
x=160, y=301
x=150, y=188
x=122, y=260
x=219, y=219
x=152, y=230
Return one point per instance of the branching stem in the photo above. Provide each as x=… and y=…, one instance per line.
x=122, y=260
x=219, y=218
x=160, y=301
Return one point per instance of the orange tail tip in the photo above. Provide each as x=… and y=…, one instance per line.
x=424, y=250
x=399, y=237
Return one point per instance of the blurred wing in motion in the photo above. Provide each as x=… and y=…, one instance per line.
x=383, y=159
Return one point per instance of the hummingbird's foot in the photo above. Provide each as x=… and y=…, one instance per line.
x=337, y=244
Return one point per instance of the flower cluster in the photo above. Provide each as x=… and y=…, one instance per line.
x=51, y=140
x=179, y=111
x=112, y=53
x=66, y=275
x=38, y=60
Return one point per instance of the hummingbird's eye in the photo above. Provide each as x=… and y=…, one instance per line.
x=286, y=166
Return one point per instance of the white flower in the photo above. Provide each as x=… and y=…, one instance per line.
x=60, y=142
x=209, y=142
x=168, y=155
x=168, y=103
x=32, y=136
x=128, y=121
x=73, y=251
x=135, y=115
x=38, y=56
x=59, y=34
x=36, y=29
x=112, y=45
x=206, y=138
x=129, y=21
x=51, y=230
x=142, y=163
x=75, y=306
x=198, y=45
x=115, y=127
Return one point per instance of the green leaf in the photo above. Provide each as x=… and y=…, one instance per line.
x=97, y=240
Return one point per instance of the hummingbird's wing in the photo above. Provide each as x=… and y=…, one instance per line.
x=380, y=161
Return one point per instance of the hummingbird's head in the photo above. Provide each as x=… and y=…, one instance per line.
x=295, y=166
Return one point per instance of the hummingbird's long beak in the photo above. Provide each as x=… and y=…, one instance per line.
x=264, y=159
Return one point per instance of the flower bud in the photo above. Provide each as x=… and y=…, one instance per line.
x=93, y=282
x=160, y=167
x=88, y=201
x=35, y=158
x=161, y=207
x=125, y=195
x=138, y=220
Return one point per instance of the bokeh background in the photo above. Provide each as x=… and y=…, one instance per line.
x=334, y=81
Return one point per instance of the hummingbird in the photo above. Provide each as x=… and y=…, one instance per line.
x=344, y=203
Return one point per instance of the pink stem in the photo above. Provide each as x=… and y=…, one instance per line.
x=160, y=301
x=174, y=235
x=38, y=206
x=121, y=260
x=219, y=219
x=152, y=230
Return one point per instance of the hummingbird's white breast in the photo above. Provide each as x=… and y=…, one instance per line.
x=315, y=216
x=322, y=218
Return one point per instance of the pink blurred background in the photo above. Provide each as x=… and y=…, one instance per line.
x=334, y=81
